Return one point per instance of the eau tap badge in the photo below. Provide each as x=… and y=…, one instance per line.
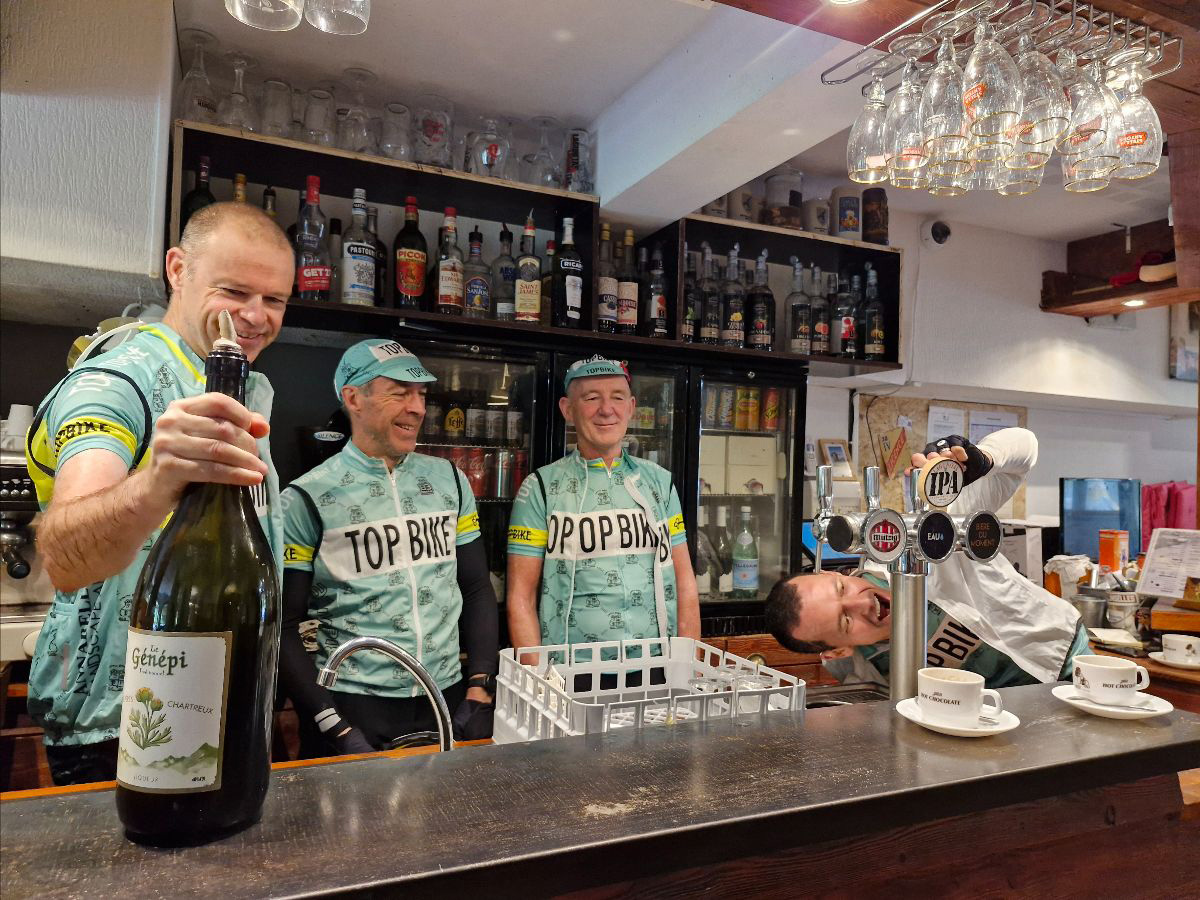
x=940, y=481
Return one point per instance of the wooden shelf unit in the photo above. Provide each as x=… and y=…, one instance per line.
x=1060, y=295
x=281, y=161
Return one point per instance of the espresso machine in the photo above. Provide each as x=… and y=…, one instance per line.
x=907, y=544
x=18, y=505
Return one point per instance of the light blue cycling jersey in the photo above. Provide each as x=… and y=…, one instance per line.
x=605, y=534
x=111, y=402
x=382, y=549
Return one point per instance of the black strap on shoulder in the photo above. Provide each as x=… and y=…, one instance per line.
x=312, y=509
x=457, y=483
x=147, y=418
x=541, y=486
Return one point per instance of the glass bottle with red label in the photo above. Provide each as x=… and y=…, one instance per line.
x=313, y=266
x=412, y=256
x=528, y=288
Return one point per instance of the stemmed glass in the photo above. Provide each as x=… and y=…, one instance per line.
x=354, y=131
x=1045, y=114
x=236, y=110
x=544, y=169
x=269, y=15
x=339, y=16
x=866, y=158
x=992, y=92
x=277, y=108
x=197, y=102
x=397, y=121
x=903, y=137
x=490, y=150
x=1141, y=143
x=943, y=122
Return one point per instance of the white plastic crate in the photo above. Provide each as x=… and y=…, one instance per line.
x=587, y=688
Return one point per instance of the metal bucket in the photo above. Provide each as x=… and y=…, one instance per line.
x=1091, y=609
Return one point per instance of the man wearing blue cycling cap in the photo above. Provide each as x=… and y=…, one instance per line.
x=381, y=540
x=602, y=531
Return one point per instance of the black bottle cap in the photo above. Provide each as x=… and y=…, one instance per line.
x=505, y=234
x=476, y=234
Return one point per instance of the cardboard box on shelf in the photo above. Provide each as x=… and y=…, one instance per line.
x=744, y=479
x=751, y=451
x=712, y=479
x=1021, y=545
x=712, y=450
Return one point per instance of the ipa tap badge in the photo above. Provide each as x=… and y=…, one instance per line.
x=940, y=481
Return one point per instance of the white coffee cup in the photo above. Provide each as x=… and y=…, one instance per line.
x=1181, y=648
x=954, y=697
x=1109, y=679
x=20, y=417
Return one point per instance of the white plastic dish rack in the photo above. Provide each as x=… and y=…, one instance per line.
x=586, y=688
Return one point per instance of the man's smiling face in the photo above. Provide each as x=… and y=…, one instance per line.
x=841, y=610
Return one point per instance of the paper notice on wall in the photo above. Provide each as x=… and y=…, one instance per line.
x=984, y=423
x=944, y=421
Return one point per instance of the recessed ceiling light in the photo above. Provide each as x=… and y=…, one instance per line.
x=844, y=2
x=1134, y=303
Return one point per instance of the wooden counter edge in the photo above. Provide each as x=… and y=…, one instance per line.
x=5, y=796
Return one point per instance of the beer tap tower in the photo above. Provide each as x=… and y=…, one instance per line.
x=907, y=544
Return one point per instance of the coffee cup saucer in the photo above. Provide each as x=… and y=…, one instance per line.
x=1159, y=656
x=1147, y=706
x=986, y=727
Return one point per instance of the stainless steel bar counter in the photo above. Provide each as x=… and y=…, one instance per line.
x=736, y=805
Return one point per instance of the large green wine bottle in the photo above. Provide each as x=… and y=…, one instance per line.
x=196, y=713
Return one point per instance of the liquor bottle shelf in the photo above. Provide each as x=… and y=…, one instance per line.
x=737, y=496
x=738, y=432
x=465, y=446
x=387, y=321
x=789, y=233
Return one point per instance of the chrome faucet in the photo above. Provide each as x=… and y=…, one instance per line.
x=328, y=677
x=824, y=510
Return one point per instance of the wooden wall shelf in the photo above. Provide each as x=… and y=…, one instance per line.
x=1061, y=294
x=280, y=161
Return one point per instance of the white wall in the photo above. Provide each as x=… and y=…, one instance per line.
x=83, y=143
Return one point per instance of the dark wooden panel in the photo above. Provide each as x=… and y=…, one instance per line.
x=1185, y=203
x=1104, y=255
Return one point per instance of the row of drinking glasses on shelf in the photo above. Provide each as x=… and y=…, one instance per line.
x=337, y=114
x=994, y=124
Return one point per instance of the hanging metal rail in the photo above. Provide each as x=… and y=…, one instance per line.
x=1093, y=34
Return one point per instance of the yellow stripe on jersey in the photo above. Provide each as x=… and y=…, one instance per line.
x=88, y=426
x=296, y=553
x=179, y=354
x=38, y=458
x=467, y=524
x=675, y=526
x=528, y=537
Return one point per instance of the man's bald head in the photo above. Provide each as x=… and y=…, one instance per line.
x=250, y=222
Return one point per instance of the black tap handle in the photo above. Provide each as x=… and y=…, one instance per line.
x=15, y=563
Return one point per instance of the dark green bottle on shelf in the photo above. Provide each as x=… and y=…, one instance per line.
x=197, y=706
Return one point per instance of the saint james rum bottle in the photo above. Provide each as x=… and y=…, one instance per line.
x=195, y=741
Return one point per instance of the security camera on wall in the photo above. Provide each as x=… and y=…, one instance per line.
x=934, y=231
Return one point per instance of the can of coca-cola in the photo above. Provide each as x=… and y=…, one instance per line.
x=502, y=473
x=477, y=471
x=520, y=468
x=458, y=456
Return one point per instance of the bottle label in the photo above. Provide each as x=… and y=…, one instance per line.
x=173, y=711
x=494, y=424
x=514, y=426
x=450, y=283
x=606, y=309
x=849, y=331
x=734, y=330
x=312, y=278
x=874, y=337
x=358, y=273
x=528, y=304
x=410, y=272
x=760, y=330
x=478, y=293
x=456, y=422
x=627, y=303
x=476, y=425
x=574, y=286
x=745, y=574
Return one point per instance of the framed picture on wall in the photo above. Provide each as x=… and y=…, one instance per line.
x=1184, y=341
x=836, y=453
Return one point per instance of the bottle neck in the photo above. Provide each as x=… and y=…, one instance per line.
x=606, y=249
x=568, y=233
x=226, y=371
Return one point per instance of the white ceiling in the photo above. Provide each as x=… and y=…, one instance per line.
x=573, y=59
x=1049, y=212
x=565, y=58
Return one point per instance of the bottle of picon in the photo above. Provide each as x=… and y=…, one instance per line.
x=198, y=700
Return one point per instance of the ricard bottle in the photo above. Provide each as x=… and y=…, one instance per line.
x=194, y=748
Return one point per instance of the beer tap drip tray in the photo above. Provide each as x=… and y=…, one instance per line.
x=844, y=695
